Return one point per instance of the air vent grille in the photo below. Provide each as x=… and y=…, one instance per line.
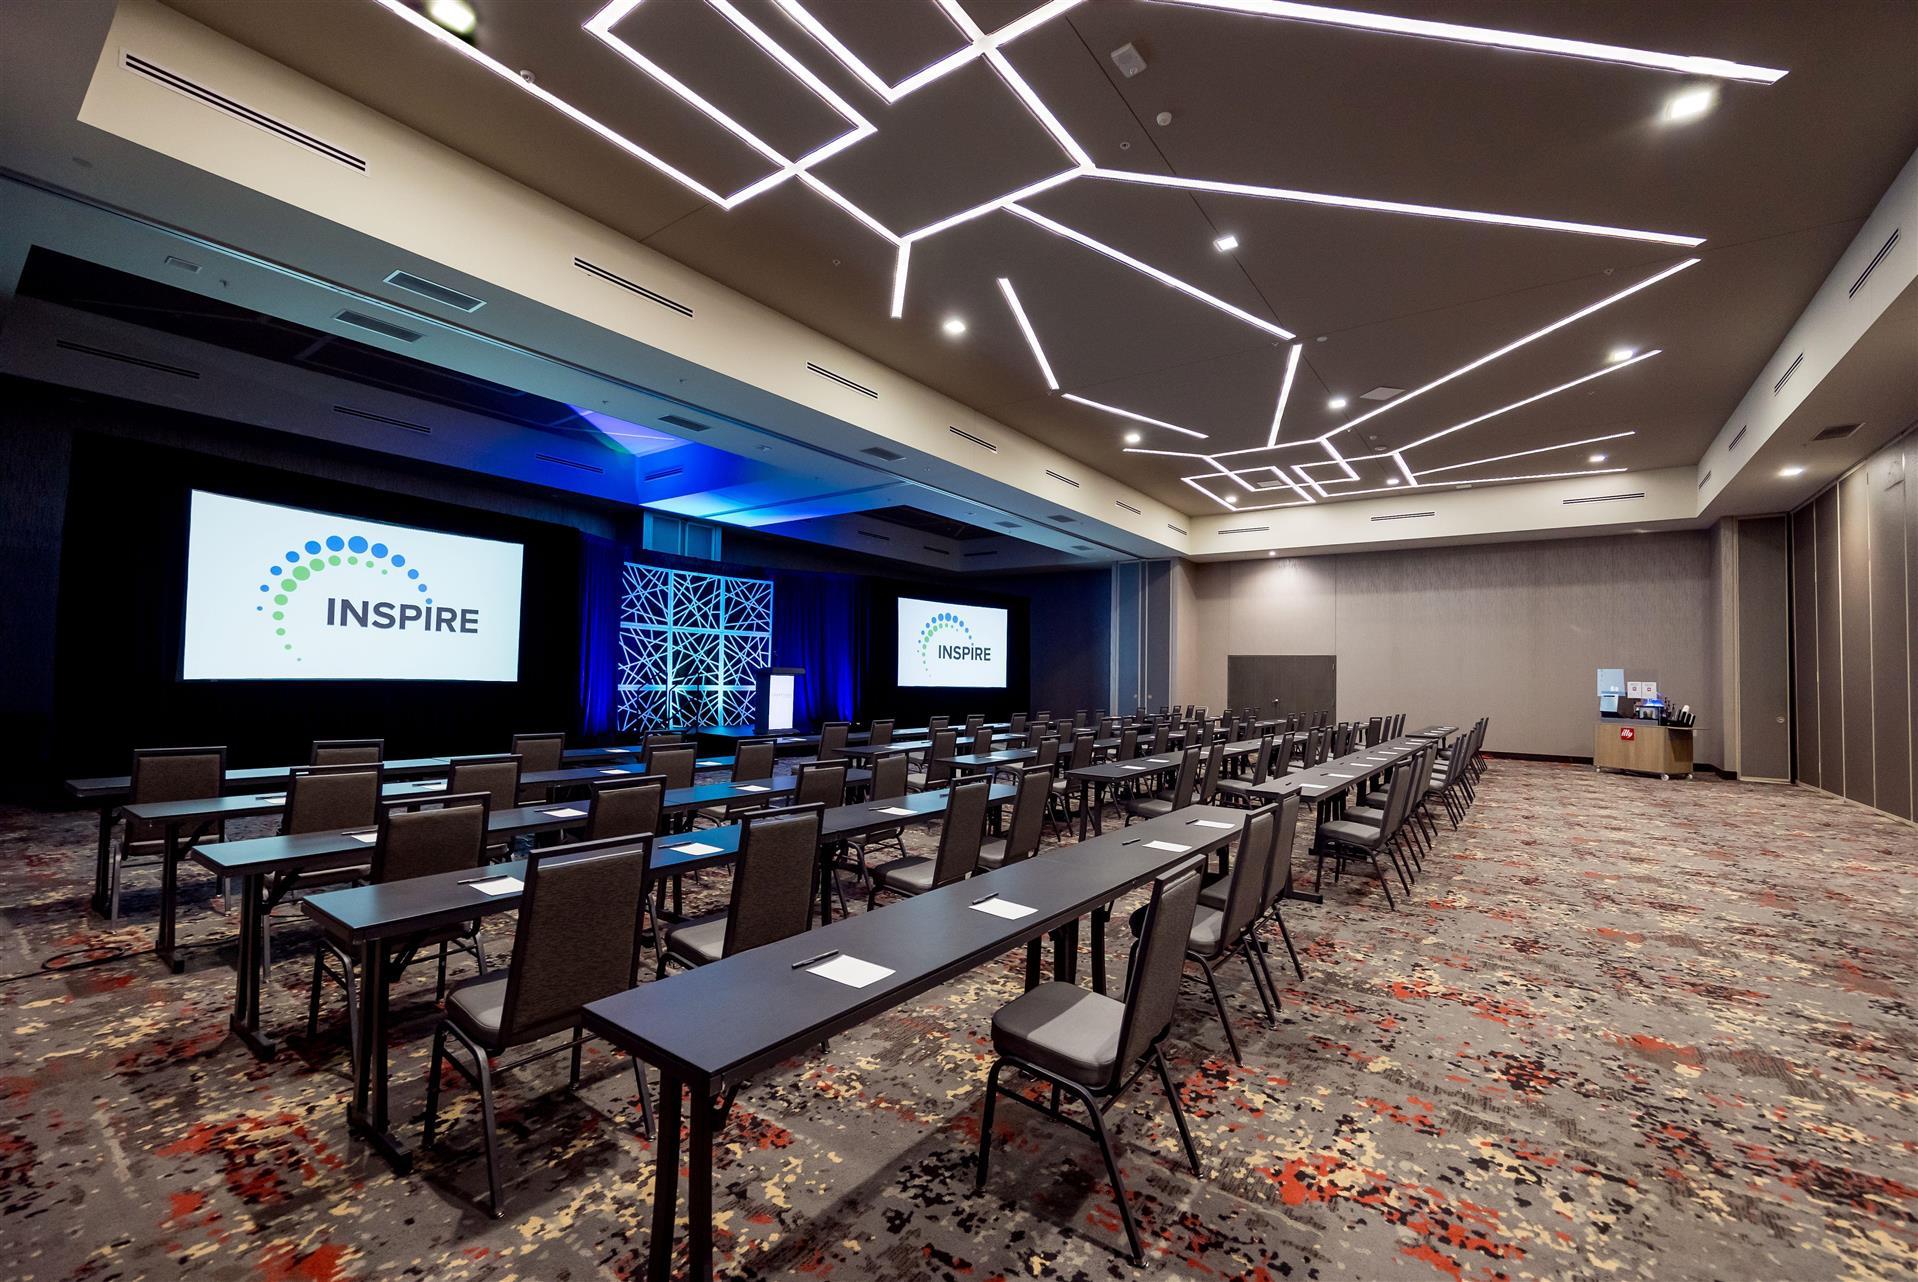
x=374, y=325
x=969, y=555
x=1734, y=442
x=980, y=441
x=239, y=111
x=1785, y=378
x=1837, y=433
x=370, y=417
x=1246, y=529
x=936, y=551
x=1127, y=506
x=1061, y=518
x=439, y=293
x=105, y=355
x=1176, y=529
x=1007, y=525
x=1605, y=498
x=1063, y=480
x=1081, y=547
x=1872, y=266
x=1381, y=393
x=663, y=473
x=686, y=423
x=1403, y=516
x=192, y=269
x=633, y=287
x=1704, y=480
x=842, y=380
x=881, y=452
x=883, y=538
x=575, y=464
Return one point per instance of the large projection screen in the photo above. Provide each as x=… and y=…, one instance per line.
x=282, y=593
x=945, y=644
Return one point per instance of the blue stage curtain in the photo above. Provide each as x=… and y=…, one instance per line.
x=816, y=627
x=601, y=564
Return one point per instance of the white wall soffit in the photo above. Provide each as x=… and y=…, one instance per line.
x=1834, y=320
x=1579, y=505
x=430, y=201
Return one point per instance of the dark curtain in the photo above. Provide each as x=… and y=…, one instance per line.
x=815, y=627
x=601, y=563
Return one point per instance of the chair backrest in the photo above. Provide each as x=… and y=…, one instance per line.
x=1188, y=776
x=576, y=939
x=753, y=760
x=348, y=752
x=1079, y=718
x=1214, y=762
x=673, y=762
x=497, y=777
x=1279, y=876
x=1017, y=724
x=973, y=721
x=628, y=807
x=936, y=724
x=1262, y=759
x=177, y=774
x=1161, y=734
x=659, y=737
x=889, y=776
x=1048, y=752
x=880, y=734
x=1152, y=980
x=945, y=743
x=981, y=741
x=773, y=876
x=1043, y=716
x=1374, y=732
x=320, y=798
x=539, y=751
x=821, y=783
x=1081, y=754
x=1107, y=727
x=1128, y=744
x=1028, y=813
x=1250, y=874
x=832, y=740
x=446, y=837
x=963, y=831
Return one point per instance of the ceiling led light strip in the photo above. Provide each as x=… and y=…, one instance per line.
x=1399, y=458
x=1393, y=207
x=1399, y=489
x=1535, y=397
x=1543, y=449
x=1307, y=478
x=1139, y=418
x=1517, y=343
x=899, y=279
x=1285, y=392
x=1025, y=327
x=1523, y=42
x=1164, y=278
x=979, y=43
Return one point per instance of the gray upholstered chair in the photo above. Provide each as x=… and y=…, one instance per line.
x=1094, y=1048
x=626, y=807
x=832, y=740
x=820, y=783
x=575, y=942
x=961, y=835
x=1278, y=878
x=772, y=890
x=496, y=776
x=165, y=774
x=935, y=774
x=752, y=763
x=537, y=752
x=1167, y=800
x=1345, y=839
x=348, y=752
x=888, y=784
x=1027, y=828
x=675, y=761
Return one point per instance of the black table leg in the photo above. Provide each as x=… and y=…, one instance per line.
x=825, y=885
x=1032, y=964
x=659, y=1263
x=1085, y=806
x=245, y=1021
x=103, y=864
x=169, y=899
x=368, y=1117
x=1100, y=916
x=1065, y=953
x=699, y=1187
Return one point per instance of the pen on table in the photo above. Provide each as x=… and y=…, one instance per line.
x=469, y=881
x=1135, y=841
x=814, y=961
x=982, y=899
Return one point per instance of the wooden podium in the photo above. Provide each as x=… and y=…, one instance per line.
x=1643, y=747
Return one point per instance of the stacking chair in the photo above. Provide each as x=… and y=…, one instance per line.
x=888, y=784
x=961, y=836
x=1017, y=723
x=165, y=774
x=832, y=740
x=752, y=763
x=1161, y=736
x=879, y=734
x=1226, y=931
x=820, y=783
x=1235, y=791
x=936, y=772
x=537, y=752
x=1278, y=878
x=1023, y=834
x=1063, y=788
x=575, y=943
x=348, y=752
x=1167, y=800
x=974, y=721
x=1354, y=838
x=496, y=776
x=322, y=799
x=675, y=762
x=1209, y=779
x=772, y=890
x=1093, y=1048
x=1128, y=744
x=660, y=738
x=626, y=807
x=936, y=724
x=981, y=741
x=1043, y=716
x=412, y=841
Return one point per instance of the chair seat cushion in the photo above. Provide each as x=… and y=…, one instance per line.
x=1062, y=1029
x=993, y=854
x=1148, y=807
x=698, y=940
x=1212, y=894
x=478, y=1005
x=1372, y=815
x=1351, y=834
x=1207, y=924
x=906, y=876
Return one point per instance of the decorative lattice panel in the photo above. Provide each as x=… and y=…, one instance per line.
x=689, y=646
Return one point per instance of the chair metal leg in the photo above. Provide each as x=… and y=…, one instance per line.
x=645, y=1097
x=1112, y=1168
x=1267, y=999
x=492, y=1132
x=313, y=994
x=439, y=985
x=1384, y=885
x=1178, y=1110
x=985, y=1126
x=1286, y=935
x=579, y=1050
x=1218, y=1000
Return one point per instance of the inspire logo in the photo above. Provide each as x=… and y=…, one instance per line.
x=352, y=552
x=951, y=647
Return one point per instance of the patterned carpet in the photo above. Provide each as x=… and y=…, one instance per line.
x=1625, y=1029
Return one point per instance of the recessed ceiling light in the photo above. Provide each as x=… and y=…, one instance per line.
x=1336, y=403
x=953, y=325
x=1793, y=470
x=1596, y=458
x=456, y=16
x=1133, y=438
x=1392, y=480
x=1226, y=243
x=1618, y=354
x=1230, y=499
x=1689, y=104
x=1272, y=553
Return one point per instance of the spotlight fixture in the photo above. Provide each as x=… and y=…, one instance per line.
x=1621, y=354
x=1336, y=403
x=1596, y=458
x=1226, y=243
x=1793, y=470
x=1689, y=104
x=953, y=325
x=456, y=16
x=1133, y=438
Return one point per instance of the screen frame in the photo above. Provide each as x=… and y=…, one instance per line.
x=1005, y=650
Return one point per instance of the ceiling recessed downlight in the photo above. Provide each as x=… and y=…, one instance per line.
x=1618, y=354
x=953, y=325
x=1793, y=470
x=456, y=16
x=1392, y=480
x=1226, y=243
x=1336, y=403
x=1596, y=458
x=1689, y=104
x=1133, y=438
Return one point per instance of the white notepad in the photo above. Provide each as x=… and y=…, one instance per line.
x=752, y=787
x=1212, y=823
x=1135, y=767
x=368, y=837
x=1005, y=908
x=567, y=812
x=850, y=971
x=894, y=810
x=1338, y=776
x=270, y=796
x=1171, y=846
x=696, y=848
x=498, y=886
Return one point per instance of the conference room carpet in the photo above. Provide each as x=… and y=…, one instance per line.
x=1623, y=1029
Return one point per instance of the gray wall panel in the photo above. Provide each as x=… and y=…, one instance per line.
x=1805, y=642
x=1764, y=661
x=1831, y=680
x=1854, y=606
x=1891, y=728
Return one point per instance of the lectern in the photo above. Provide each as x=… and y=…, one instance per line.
x=773, y=700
